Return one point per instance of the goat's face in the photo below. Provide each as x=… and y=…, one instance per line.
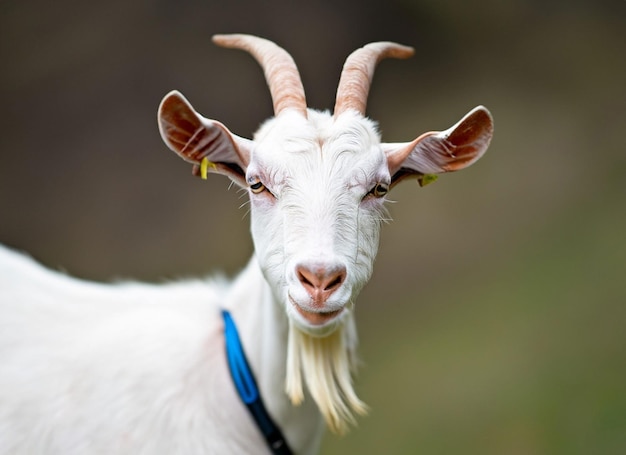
x=317, y=189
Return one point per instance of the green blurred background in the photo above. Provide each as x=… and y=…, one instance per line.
x=495, y=320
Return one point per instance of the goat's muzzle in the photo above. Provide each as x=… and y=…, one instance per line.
x=321, y=281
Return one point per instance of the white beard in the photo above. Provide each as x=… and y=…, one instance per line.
x=327, y=364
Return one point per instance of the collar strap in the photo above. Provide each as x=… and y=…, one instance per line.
x=247, y=389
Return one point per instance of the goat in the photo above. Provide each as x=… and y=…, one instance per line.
x=138, y=368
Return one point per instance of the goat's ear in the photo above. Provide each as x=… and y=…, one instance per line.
x=436, y=152
x=194, y=138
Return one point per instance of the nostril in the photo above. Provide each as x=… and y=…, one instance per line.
x=335, y=282
x=303, y=279
x=307, y=279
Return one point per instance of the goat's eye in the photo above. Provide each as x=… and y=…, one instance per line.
x=257, y=187
x=379, y=190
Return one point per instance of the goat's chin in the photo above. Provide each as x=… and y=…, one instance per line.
x=317, y=325
x=325, y=363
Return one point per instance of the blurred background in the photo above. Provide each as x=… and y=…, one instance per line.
x=495, y=320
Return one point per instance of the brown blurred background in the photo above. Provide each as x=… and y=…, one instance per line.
x=495, y=320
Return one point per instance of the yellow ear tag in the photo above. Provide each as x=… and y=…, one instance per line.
x=204, y=166
x=427, y=179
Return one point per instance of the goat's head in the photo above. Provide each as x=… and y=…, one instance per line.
x=317, y=185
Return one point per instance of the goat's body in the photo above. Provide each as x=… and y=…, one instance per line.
x=135, y=368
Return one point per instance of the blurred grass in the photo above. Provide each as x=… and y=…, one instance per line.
x=530, y=359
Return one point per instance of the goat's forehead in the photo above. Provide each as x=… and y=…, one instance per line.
x=317, y=126
x=287, y=144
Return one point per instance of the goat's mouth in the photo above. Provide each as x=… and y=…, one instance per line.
x=317, y=318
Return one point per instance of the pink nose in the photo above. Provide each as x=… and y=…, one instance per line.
x=321, y=280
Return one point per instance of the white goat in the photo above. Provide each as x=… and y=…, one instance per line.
x=135, y=368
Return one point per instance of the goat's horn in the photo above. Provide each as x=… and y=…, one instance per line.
x=356, y=77
x=281, y=73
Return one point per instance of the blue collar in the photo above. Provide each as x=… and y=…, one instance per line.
x=247, y=389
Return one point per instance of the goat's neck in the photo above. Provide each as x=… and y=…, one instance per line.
x=262, y=324
x=264, y=329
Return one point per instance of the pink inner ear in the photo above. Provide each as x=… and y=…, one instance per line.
x=445, y=151
x=469, y=139
x=193, y=138
x=181, y=128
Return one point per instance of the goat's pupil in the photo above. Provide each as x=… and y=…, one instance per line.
x=380, y=190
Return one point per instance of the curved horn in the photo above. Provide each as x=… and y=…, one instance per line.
x=356, y=77
x=281, y=73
